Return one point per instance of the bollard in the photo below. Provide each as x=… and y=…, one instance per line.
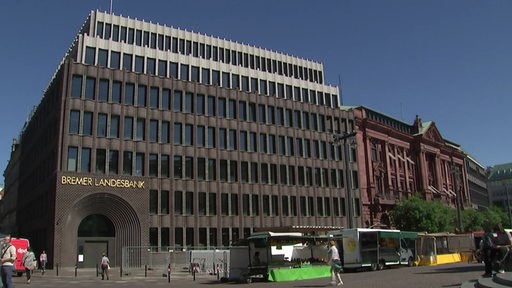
x=76, y=270
x=169, y=273
x=57, y=269
x=97, y=271
x=121, y=271
x=194, y=272
x=146, y=271
x=217, y=271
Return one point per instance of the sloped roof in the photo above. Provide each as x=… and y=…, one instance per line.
x=500, y=172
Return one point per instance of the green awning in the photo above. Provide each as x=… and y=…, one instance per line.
x=408, y=234
x=388, y=234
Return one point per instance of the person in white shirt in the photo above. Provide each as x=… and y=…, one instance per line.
x=333, y=259
x=7, y=258
x=105, y=265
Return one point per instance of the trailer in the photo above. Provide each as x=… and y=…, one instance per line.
x=375, y=249
x=271, y=256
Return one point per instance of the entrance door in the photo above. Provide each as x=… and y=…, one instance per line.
x=93, y=251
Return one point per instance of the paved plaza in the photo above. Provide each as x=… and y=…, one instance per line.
x=448, y=275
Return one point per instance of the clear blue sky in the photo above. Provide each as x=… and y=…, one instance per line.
x=448, y=61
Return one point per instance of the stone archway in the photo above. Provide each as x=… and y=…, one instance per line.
x=119, y=213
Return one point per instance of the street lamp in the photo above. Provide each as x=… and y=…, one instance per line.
x=508, y=204
x=338, y=139
x=456, y=174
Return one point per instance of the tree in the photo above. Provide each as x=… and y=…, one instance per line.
x=417, y=214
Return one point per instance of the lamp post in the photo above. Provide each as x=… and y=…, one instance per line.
x=456, y=174
x=508, y=204
x=338, y=139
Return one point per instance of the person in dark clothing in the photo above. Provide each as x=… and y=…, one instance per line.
x=487, y=251
x=501, y=247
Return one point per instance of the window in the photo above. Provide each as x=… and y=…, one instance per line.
x=141, y=96
x=222, y=138
x=178, y=203
x=221, y=107
x=90, y=83
x=200, y=136
x=211, y=106
x=153, y=165
x=201, y=168
x=74, y=122
x=189, y=167
x=129, y=93
x=101, y=161
x=102, y=57
x=113, y=161
x=242, y=113
x=177, y=100
x=189, y=102
x=139, y=64
x=154, y=97
x=153, y=130
x=211, y=137
x=164, y=165
x=116, y=92
x=85, y=160
x=127, y=162
x=90, y=55
x=115, y=60
x=178, y=138
x=139, y=164
x=189, y=140
x=164, y=202
x=127, y=61
x=232, y=139
x=212, y=204
x=232, y=109
x=76, y=86
x=153, y=201
x=200, y=104
x=184, y=72
x=212, y=170
x=72, y=158
x=101, y=129
x=162, y=68
x=87, y=123
x=224, y=204
x=165, y=132
x=178, y=167
x=141, y=129
x=243, y=140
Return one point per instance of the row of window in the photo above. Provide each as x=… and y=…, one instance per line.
x=203, y=136
x=205, y=51
x=110, y=162
x=208, y=77
x=188, y=203
x=185, y=237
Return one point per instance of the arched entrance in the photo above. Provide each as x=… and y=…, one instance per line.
x=106, y=221
x=96, y=234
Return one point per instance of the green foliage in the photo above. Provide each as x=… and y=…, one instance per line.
x=417, y=214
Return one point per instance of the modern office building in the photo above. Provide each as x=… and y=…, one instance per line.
x=149, y=135
x=499, y=184
x=477, y=183
x=397, y=160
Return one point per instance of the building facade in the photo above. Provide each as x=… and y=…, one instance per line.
x=477, y=183
x=499, y=184
x=149, y=135
x=397, y=160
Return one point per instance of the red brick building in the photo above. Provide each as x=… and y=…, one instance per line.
x=397, y=160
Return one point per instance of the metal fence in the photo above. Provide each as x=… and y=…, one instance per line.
x=155, y=261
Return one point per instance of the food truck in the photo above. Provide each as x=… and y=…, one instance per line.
x=278, y=257
x=375, y=248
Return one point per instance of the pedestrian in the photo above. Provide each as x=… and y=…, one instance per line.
x=334, y=260
x=501, y=247
x=105, y=265
x=487, y=253
x=7, y=258
x=30, y=263
x=42, y=260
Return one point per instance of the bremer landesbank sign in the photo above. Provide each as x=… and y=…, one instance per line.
x=101, y=182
